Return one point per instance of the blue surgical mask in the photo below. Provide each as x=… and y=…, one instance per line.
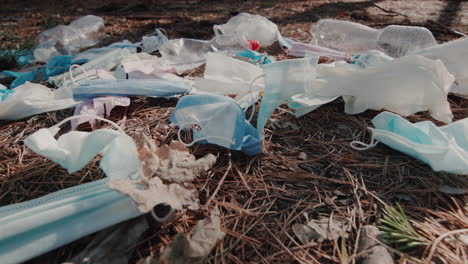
x=443, y=148
x=222, y=122
x=55, y=66
x=34, y=227
x=147, y=87
x=256, y=57
x=5, y=93
x=283, y=80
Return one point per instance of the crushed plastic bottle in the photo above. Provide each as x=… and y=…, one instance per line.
x=185, y=51
x=68, y=40
x=232, y=42
x=398, y=41
x=355, y=38
x=250, y=27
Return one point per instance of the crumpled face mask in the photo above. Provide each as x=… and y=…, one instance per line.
x=75, y=149
x=443, y=148
x=227, y=76
x=37, y=226
x=147, y=87
x=454, y=55
x=145, y=63
x=405, y=86
x=107, y=61
x=283, y=80
x=101, y=106
x=55, y=66
x=222, y=122
x=255, y=57
x=91, y=54
x=5, y=93
x=31, y=99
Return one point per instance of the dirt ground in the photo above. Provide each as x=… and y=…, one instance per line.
x=262, y=196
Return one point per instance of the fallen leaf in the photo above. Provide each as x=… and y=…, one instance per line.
x=318, y=230
x=176, y=164
x=149, y=160
x=196, y=248
x=171, y=162
x=376, y=253
x=147, y=194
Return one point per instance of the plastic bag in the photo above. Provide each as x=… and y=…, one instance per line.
x=405, y=86
x=250, y=27
x=454, y=55
x=83, y=32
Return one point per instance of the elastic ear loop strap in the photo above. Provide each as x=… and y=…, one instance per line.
x=71, y=73
x=90, y=116
x=187, y=125
x=251, y=96
x=358, y=145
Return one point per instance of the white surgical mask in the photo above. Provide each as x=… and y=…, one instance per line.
x=31, y=99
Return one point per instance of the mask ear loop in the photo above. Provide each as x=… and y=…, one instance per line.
x=163, y=31
x=358, y=59
x=251, y=96
x=71, y=74
x=187, y=125
x=358, y=145
x=124, y=53
x=90, y=116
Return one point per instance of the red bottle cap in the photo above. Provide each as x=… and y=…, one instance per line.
x=253, y=44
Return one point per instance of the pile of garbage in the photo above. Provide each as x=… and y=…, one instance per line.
x=400, y=70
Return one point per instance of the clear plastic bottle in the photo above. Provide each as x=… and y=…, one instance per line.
x=65, y=40
x=355, y=38
x=398, y=41
x=344, y=36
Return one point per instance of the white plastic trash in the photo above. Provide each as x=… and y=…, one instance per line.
x=454, y=55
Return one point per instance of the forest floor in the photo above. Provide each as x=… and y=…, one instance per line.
x=260, y=197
